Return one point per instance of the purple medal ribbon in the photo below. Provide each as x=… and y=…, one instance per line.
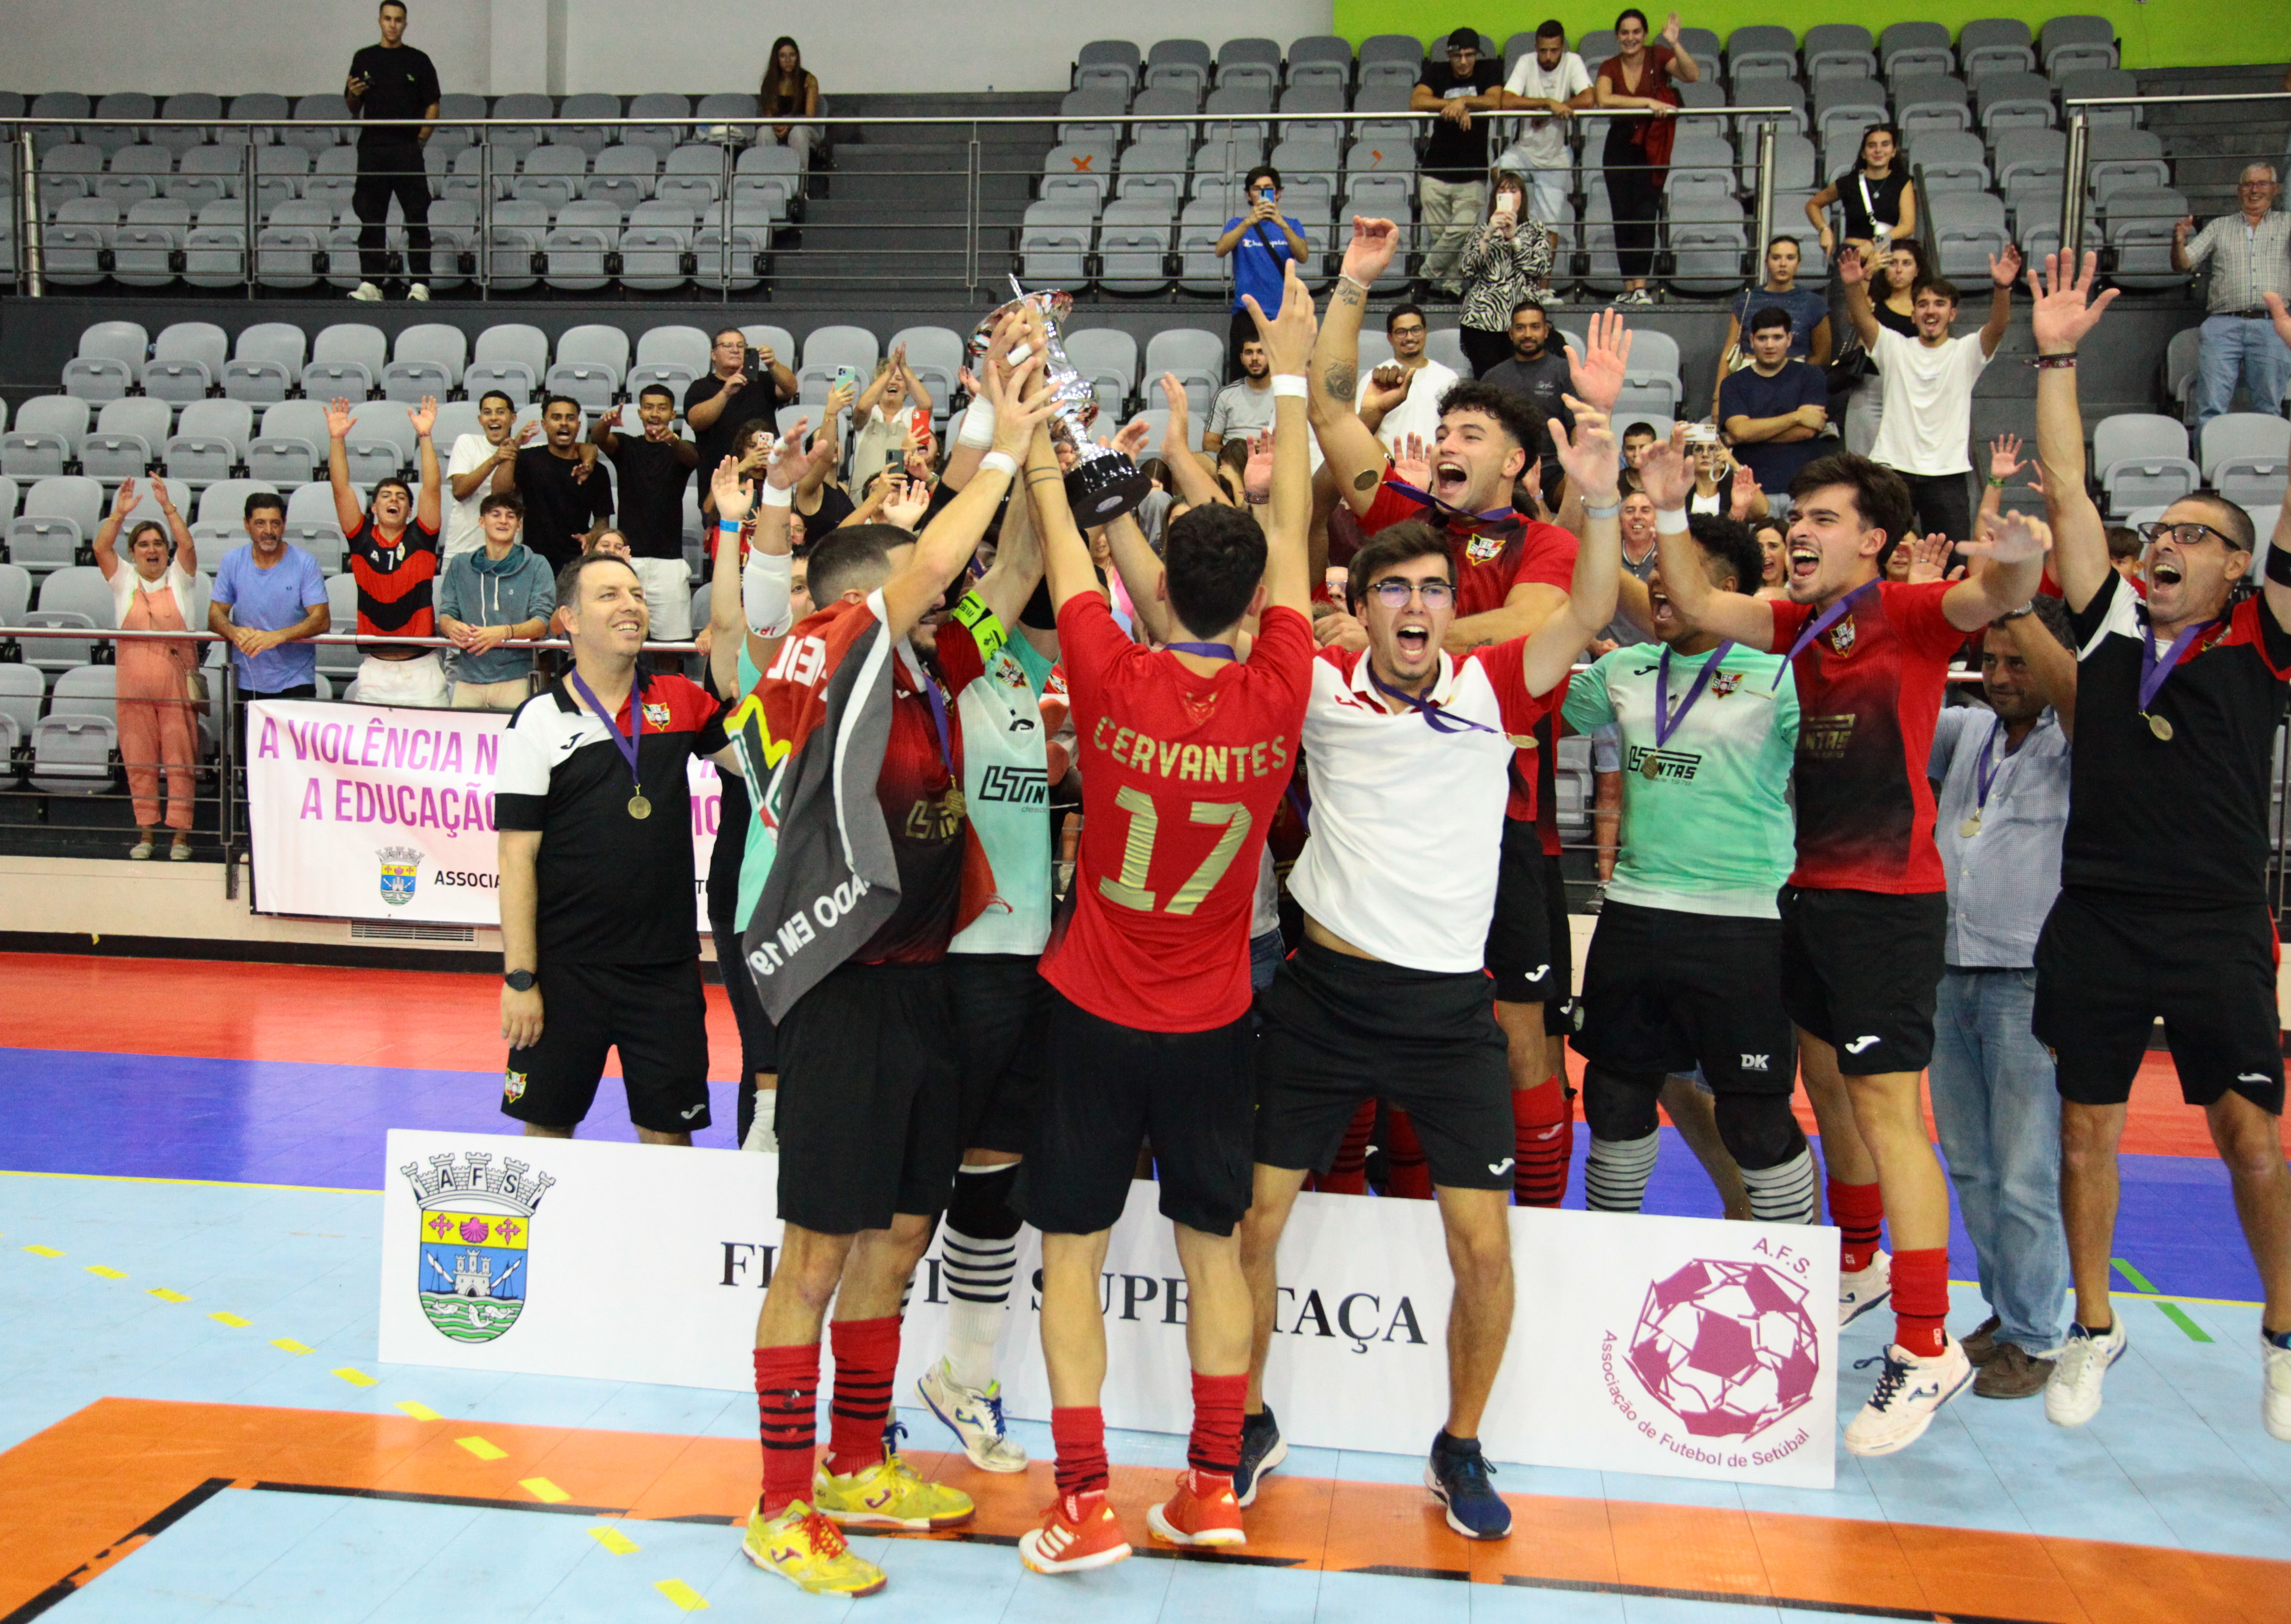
x=1497, y=521
x=1665, y=723
x=1438, y=719
x=2154, y=673
x=627, y=746
x=1208, y=651
x=1822, y=622
x=1985, y=769
x=938, y=721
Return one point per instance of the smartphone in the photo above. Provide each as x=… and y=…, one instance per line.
x=919, y=424
x=847, y=377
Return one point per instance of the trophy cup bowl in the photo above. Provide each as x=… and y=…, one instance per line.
x=1102, y=484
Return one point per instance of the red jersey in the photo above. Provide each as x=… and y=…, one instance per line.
x=1868, y=689
x=1487, y=567
x=1180, y=776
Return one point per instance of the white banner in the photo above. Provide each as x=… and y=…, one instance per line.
x=1684, y=1347
x=375, y=812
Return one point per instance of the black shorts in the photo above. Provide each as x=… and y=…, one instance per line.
x=1519, y=953
x=2108, y=969
x=759, y=1042
x=1110, y=1087
x=1861, y=971
x=1001, y=1006
x=869, y=1089
x=1559, y=1010
x=1339, y=1030
x=655, y=1014
x=1665, y=992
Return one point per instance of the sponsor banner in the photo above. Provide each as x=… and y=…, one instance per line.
x=373, y=812
x=1684, y=1347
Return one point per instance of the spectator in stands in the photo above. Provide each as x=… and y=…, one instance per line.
x=393, y=549
x=2001, y=782
x=1539, y=371
x=1245, y=407
x=893, y=408
x=2124, y=549
x=1638, y=153
x=1547, y=86
x=1774, y=410
x=2253, y=259
x=1894, y=279
x=1928, y=381
x=653, y=467
x=1724, y=487
x=1880, y=204
x=476, y=458
x=1774, y=555
x=153, y=591
x=742, y=385
x=1403, y=395
x=392, y=88
x=564, y=496
x=1451, y=176
x=1508, y=259
x=1260, y=241
x=790, y=91
x=503, y=593
x=267, y=598
x=1807, y=309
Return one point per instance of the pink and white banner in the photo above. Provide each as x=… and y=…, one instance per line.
x=372, y=812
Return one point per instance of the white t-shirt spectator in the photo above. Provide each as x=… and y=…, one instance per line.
x=1419, y=413
x=1542, y=139
x=1239, y=409
x=1928, y=423
x=463, y=534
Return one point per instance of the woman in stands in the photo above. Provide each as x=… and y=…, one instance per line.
x=1637, y=154
x=1894, y=280
x=1880, y=205
x=1774, y=553
x=151, y=591
x=1508, y=259
x=790, y=91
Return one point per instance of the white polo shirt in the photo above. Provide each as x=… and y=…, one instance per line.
x=1407, y=818
x=1419, y=413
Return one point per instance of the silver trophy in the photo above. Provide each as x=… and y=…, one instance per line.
x=1102, y=484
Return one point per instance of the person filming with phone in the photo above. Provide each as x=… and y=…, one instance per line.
x=1261, y=241
x=743, y=382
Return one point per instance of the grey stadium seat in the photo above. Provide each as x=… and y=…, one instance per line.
x=2245, y=456
x=512, y=356
x=1838, y=48
x=1196, y=356
x=2071, y=45
x=427, y=359
x=2142, y=461
x=47, y=435
x=1915, y=47
x=591, y=361
x=292, y=446
x=111, y=354
x=1995, y=44
x=209, y=440
x=266, y=362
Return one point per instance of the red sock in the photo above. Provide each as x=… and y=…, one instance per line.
x=866, y=1363
x=787, y=1405
x=1857, y=1210
x=1921, y=1299
x=1214, y=1450
x=1078, y=1433
x=1347, y=1175
x=1403, y=1158
x=1543, y=1143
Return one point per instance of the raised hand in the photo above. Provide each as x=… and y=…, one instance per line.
x=126, y=501
x=838, y=402
x=906, y=502
x=2010, y=541
x=731, y=491
x=527, y=430
x=1589, y=457
x=1851, y=270
x=423, y=417
x=2065, y=309
x=2183, y=228
x=1597, y=373
x=1746, y=488
x=339, y=419
x=2005, y=268
x=2004, y=456
x=1387, y=387
x=1666, y=472
x=1288, y=336
x=1022, y=405
x=1412, y=461
x=784, y=461
x=1671, y=31
x=1928, y=559
x=1369, y=254
x=1131, y=441
x=1176, y=438
x=968, y=380
x=1256, y=475
x=612, y=419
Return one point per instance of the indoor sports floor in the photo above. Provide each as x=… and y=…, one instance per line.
x=193, y=1423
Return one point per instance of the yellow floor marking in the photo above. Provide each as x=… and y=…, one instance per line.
x=613, y=1541
x=419, y=1411
x=683, y=1595
x=544, y=1490
x=355, y=1377
x=43, y=1251
x=108, y=1274
x=231, y=1320
x=482, y=1450
x=165, y=1296
x=288, y=1345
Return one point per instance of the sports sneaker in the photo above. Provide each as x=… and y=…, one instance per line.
x=1635, y=297
x=2073, y=1391
x=2012, y=1372
x=1078, y=1532
x=888, y=1494
x=809, y=1552
x=1911, y=1387
x=141, y=851
x=1262, y=1448
x=1863, y=1289
x=2275, y=1387
x=974, y=1417
x=1458, y=1475
x=1981, y=1347
x=1201, y=1512
x=366, y=293
x=418, y=293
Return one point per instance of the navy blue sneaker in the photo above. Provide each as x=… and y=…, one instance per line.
x=1262, y=1448
x=1458, y=1475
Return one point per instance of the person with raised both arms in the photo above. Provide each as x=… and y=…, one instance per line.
x=2163, y=911
x=1865, y=917
x=1408, y=753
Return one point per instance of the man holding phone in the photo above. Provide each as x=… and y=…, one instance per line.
x=1261, y=241
x=742, y=384
x=392, y=89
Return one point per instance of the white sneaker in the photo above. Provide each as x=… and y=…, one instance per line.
x=366, y=293
x=1911, y=1388
x=2072, y=1391
x=2275, y=1389
x=1863, y=1289
x=975, y=1417
x=418, y=293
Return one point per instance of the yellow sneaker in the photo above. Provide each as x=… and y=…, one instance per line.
x=889, y=1495
x=809, y=1551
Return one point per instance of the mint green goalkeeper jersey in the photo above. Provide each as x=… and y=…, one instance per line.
x=1710, y=831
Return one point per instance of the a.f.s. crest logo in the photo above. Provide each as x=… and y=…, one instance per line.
x=1841, y=638
x=1724, y=683
x=401, y=871
x=1484, y=548
x=656, y=716
x=473, y=1272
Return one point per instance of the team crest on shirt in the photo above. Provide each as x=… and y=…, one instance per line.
x=656, y=715
x=1724, y=683
x=476, y=1242
x=401, y=871
x=1841, y=638
x=1484, y=548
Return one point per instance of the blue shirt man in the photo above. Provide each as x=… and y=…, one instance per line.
x=268, y=598
x=1260, y=241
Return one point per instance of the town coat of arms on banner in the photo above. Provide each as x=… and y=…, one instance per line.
x=476, y=1241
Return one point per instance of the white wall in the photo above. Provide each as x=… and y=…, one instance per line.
x=622, y=45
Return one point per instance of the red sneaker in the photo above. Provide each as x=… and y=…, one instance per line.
x=1201, y=1512
x=1078, y=1532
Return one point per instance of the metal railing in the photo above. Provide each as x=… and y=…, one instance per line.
x=2076, y=179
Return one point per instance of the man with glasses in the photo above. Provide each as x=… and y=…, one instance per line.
x=1408, y=751
x=2253, y=260
x=2163, y=911
x=1402, y=396
x=733, y=392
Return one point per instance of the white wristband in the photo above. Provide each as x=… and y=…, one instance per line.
x=977, y=429
x=1289, y=383
x=775, y=496
x=1670, y=521
x=1002, y=461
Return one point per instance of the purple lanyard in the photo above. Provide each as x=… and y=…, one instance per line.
x=627, y=746
x=1438, y=719
x=1207, y=651
x=1500, y=521
x=1822, y=622
x=938, y=721
x=1984, y=768
x=2154, y=673
x=1665, y=723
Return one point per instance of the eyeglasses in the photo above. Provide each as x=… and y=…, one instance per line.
x=2188, y=533
x=1394, y=593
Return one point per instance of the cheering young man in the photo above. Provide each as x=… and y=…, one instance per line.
x=1409, y=753
x=2162, y=909
x=1184, y=751
x=1865, y=915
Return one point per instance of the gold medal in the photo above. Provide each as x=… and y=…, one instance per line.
x=956, y=806
x=2158, y=726
x=640, y=807
x=1970, y=827
x=1651, y=768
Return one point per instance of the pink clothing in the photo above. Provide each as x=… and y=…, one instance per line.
x=155, y=727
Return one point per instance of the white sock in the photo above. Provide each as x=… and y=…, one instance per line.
x=1615, y=1174
x=1783, y=1194
x=762, y=1130
x=978, y=1275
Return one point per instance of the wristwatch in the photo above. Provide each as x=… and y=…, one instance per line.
x=2026, y=608
x=519, y=981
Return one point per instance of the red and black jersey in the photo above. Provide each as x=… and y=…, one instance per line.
x=1487, y=567
x=395, y=584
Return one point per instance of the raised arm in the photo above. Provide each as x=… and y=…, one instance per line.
x=2053, y=667
x=1196, y=485
x=1592, y=463
x=347, y=512
x=1858, y=310
x=431, y=513
x=1668, y=478
x=2003, y=270
x=727, y=623
x=1288, y=341
x=1141, y=573
x=1682, y=65
x=602, y=435
x=1010, y=581
x=2064, y=312
x=124, y=502
x=2009, y=566
x=1351, y=449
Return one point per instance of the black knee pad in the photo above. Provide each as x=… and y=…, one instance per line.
x=981, y=1208
x=1758, y=1130
x=1619, y=1107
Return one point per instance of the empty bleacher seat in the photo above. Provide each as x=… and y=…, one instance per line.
x=512, y=356
x=591, y=361
x=47, y=435
x=145, y=249
x=1197, y=357
x=1949, y=161
x=2120, y=157
x=1178, y=62
x=134, y=174
x=1760, y=48
x=1995, y=44
x=1054, y=239
x=1108, y=63
x=292, y=446
x=58, y=517
x=210, y=441
x=266, y=362
x=2245, y=455
x=2069, y=45
x=111, y=356
x=1838, y=48
x=671, y=355
x=1134, y=245
x=1967, y=227
x=2137, y=224
x=128, y=435
x=2013, y=101
x=1931, y=101
x=553, y=174
x=2142, y=461
x=345, y=359
x=1915, y=47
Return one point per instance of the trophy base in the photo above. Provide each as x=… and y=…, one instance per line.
x=1105, y=488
